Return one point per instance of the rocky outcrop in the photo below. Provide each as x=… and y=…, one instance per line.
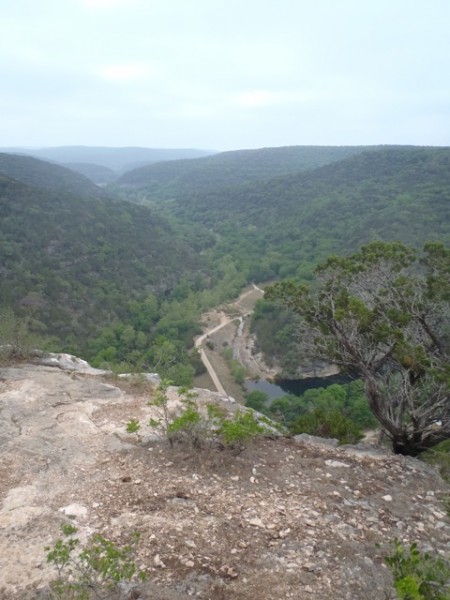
x=316, y=369
x=284, y=519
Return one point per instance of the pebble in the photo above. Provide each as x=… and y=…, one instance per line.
x=336, y=463
x=256, y=522
x=158, y=562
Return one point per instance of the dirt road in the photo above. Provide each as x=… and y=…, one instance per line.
x=243, y=307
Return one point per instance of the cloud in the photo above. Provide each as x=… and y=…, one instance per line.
x=257, y=98
x=105, y=3
x=125, y=72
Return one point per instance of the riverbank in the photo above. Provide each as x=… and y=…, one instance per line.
x=228, y=327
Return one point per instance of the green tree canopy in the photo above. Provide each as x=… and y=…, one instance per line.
x=383, y=313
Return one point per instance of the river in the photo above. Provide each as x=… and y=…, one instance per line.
x=242, y=309
x=293, y=386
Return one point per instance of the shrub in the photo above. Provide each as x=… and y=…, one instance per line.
x=439, y=456
x=329, y=424
x=239, y=430
x=419, y=575
x=17, y=341
x=213, y=427
x=94, y=572
x=257, y=400
x=189, y=425
x=133, y=426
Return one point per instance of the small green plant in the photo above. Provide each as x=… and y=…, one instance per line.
x=161, y=402
x=133, y=426
x=185, y=422
x=211, y=427
x=189, y=425
x=95, y=572
x=419, y=575
x=239, y=430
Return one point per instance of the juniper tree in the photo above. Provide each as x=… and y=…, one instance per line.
x=383, y=314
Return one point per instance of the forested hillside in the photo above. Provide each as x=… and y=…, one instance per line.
x=96, y=173
x=118, y=282
x=285, y=225
x=77, y=264
x=176, y=178
x=44, y=175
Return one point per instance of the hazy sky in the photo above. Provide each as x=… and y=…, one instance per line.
x=224, y=74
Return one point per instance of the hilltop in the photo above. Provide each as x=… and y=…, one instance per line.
x=117, y=159
x=43, y=175
x=280, y=520
x=284, y=225
x=233, y=168
x=96, y=173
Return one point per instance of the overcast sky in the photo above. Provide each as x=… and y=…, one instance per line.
x=224, y=74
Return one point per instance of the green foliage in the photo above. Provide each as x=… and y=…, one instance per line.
x=189, y=425
x=133, y=426
x=180, y=374
x=419, y=575
x=93, y=572
x=275, y=330
x=384, y=314
x=200, y=429
x=257, y=400
x=105, y=277
x=181, y=423
x=340, y=410
x=160, y=401
x=48, y=176
x=158, y=334
x=17, y=340
x=81, y=264
x=281, y=226
x=237, y=431
x=439, y=456
x=189, y=419
x=328, y=423
x=169, y=179
x=237, y=371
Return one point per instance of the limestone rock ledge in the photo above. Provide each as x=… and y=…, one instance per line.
x=284, y=519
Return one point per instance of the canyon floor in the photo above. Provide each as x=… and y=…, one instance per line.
x=282, y=519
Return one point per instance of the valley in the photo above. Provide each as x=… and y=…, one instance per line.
x=97, y=270
x=224, y=300
x=164, y=270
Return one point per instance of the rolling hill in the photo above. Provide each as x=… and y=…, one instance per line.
x=47, y=176
x=76, y=263
x=81, y=261
x=232, y=168
x=96, y=173
x=284, y=225
x=117, y=159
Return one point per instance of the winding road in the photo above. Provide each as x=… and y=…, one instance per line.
x=223, y=323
